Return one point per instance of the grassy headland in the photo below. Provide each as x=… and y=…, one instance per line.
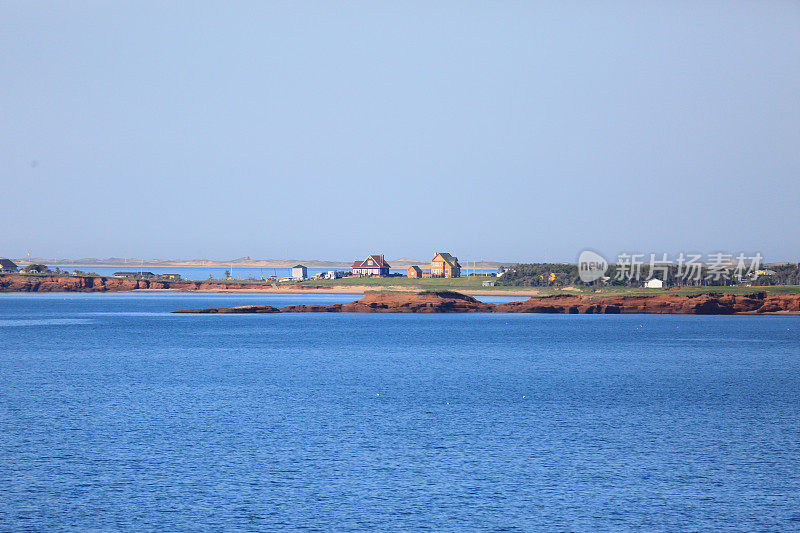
x=474, y=285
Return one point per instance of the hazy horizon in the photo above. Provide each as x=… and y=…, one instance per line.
x=136, y=260
x=505, y=132
x=466, y=263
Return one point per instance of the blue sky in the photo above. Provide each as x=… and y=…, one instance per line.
x=513, y=131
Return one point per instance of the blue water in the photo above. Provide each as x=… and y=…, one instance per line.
x=116, y=415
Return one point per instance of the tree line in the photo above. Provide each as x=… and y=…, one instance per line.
x=564, y=274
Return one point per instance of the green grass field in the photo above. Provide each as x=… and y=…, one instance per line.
x=430, y=284
x=474, y=283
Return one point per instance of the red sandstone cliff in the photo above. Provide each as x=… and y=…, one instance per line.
x=387, y=302
x=439, y=302
x=55, y=283
x=705, y=304
x=231, y=310
x=453, y=302
x=25, y=283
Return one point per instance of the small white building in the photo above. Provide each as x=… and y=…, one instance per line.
x=488, y=283
x=332, y=274
x=654, y=283
x=299, y=272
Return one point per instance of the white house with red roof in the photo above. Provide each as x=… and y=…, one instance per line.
x=374, y=265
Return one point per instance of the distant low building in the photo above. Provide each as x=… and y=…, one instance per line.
x=7, y=265
x=444, y=265
x=134, y=274
x=374, y=265
x=654, y=283
x=332, y=274
x=414, y=272
x=171, y=277
x=299, y=272
x=488, y=283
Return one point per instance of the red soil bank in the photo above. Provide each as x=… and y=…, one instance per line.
x=453, y=302
x=55, y=283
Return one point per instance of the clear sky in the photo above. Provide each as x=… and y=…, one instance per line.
x=513, y=131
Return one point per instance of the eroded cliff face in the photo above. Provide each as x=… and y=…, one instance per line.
x=387, y=302
x=704, y=304
x=232, y=310
x=437, y=302
x=453, y=302
x=25, y=283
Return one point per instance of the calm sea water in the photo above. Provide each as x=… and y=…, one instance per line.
x=116, y=415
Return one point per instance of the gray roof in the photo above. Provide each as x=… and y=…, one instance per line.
x=7, y=263
x=449, y=258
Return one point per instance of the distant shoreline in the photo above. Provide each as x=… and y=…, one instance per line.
x=282, y=263
x=470, y=286
x=397, y=298
x=67, y=283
